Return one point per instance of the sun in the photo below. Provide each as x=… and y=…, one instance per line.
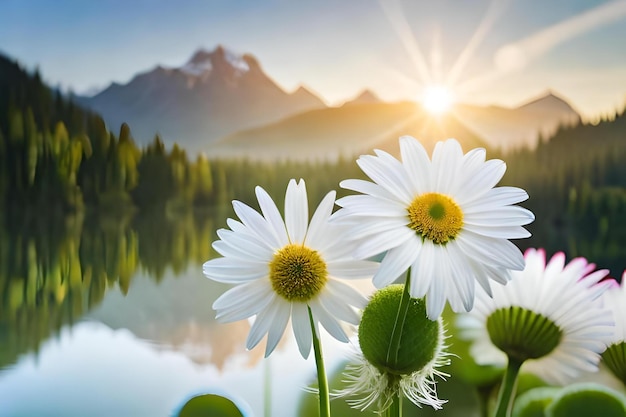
x=437, y=99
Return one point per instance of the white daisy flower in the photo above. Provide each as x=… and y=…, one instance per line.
x=286, y=269
x=615, y=355
x=550, y=317
x=442, y=218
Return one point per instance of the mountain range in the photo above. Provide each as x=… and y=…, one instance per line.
x=223, y=104
x=215, y=93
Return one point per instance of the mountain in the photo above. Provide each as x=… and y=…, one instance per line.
x=366, y=96
x=522, y=126
x=214, y=94
x=365, y=123
x=344, y=131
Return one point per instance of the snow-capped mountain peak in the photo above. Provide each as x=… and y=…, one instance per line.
x=203, y=62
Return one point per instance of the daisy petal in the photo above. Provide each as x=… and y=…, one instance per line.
x=301, y=328
x=272, y=215
x=416, y=163
x=317, y=230
x=328, y=321
x=296, y=211
x=276, y=330
x=397, y=261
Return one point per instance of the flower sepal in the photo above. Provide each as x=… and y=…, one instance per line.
x=523, y=334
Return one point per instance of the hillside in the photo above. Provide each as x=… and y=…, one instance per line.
x=343, y=132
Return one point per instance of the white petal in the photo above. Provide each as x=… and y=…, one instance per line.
x=492, y=251
x=385, y=175
x=243, y=301
x=461, y=275
x=348, y=293
x=501, y=232
x=318, y=228
x=234, y=271
x=272, y=215
x=230, y=251
x=278, y=326
x=398, y=173
x=500, y=216
x=446, y=159
x=383, y=242
x=255, y=222
x=352, y=269
x=476, y=185
x=496, y=197
x=436, y=296
x=366, y=205
x=372, y=227
x=397, y=261
x=337, y=307
x=248, y=293
x=263, y=322
x=416, y=163
x=246, y=243
x=330, y=324
x=474, y=160
x=296, y=211
x=302, y=328
x=422, y=271
x=367, y=187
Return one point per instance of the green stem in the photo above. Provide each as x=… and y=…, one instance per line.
x=507, y=389
x=395, y=409
x=321, y=371
x=267, y=391
x=396, y=332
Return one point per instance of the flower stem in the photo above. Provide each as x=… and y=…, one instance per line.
x=321, y=371
x=396, y=332
x=395, y=409
x=508, y=387
x=267, y=389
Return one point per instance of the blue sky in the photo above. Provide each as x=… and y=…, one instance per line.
x=514, y=49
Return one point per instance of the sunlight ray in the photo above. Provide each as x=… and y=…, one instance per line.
x=395, y=15
x=496, y=7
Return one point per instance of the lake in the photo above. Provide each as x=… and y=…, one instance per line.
x=106, y=316
x=112, y=317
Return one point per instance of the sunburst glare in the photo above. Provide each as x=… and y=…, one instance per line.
x=437, y=99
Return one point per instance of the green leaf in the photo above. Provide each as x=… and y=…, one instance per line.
x=210, y=405
x=587, y=400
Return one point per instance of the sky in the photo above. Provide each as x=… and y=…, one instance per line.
x=501, y=52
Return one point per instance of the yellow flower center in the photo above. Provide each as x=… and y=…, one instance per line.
x=298, y=273
x=436, y=217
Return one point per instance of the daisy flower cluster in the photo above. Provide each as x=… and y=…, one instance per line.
x=429, y=232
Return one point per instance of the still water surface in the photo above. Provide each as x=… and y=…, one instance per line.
x=112, y=317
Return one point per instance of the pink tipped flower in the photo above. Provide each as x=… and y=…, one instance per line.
x=550, y=316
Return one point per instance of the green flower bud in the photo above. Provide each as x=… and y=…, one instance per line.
x=401, y=351
x=419, y=336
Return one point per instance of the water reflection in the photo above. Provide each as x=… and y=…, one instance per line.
x=54, y=270
x=175, y=314
x=112, y=316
